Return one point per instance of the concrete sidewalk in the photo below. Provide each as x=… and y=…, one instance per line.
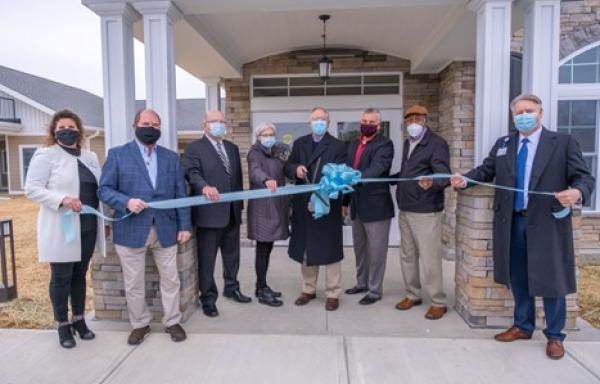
x=253, y=343
x=35, y=357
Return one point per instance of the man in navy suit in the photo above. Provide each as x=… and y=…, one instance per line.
x=212, y=166
x=533, y=241
x=134, y=174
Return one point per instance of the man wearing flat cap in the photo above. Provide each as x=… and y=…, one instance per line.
x=421, y=205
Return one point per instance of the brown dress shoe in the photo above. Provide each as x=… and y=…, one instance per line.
x=137, y=335
x=407, y=303
x=435, y=313
x=332, y=304
x=177, y=333
x=304, y=298
x=511, y=334
x=555, y=349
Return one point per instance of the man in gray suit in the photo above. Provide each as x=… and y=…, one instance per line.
x=212, y=166
x=533, y=239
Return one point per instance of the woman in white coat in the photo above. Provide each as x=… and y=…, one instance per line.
x=63, y=176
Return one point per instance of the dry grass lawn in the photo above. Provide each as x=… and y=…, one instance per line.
x=32, y=309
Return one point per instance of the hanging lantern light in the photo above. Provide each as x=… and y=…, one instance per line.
x=325, y=62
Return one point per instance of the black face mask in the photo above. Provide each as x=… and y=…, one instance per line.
x=147, y=135
x=67, y=136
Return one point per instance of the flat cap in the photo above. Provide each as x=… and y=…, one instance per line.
x=416, y=110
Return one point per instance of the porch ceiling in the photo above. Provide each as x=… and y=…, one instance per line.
x=215, y=38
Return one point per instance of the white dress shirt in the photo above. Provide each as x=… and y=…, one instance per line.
x=215, y=143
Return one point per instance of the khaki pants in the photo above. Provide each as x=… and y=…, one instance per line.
x=133, y=263
x=333, y=279
x=420, y=239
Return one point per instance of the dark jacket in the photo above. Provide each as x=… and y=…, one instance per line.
x=124, y=176
x=372, y=201
x=430, y=156
x=557, y=165
x=268, y=219
x=203, y=167
x=320, y=239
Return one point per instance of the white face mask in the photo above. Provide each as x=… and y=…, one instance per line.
x=414, y=129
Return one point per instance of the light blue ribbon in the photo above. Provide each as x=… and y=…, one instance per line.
x=336, y=180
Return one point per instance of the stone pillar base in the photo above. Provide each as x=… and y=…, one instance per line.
x=479, y=300
x=109, y=291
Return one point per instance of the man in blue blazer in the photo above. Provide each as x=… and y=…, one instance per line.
x=134, y=174
x=533, y=241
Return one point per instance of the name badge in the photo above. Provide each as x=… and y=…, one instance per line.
x=501, y=152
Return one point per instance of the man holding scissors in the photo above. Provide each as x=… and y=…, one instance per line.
x=316, y=242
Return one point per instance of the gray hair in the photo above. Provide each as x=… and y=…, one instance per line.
x=320, y=109
x=373, y=110
x=262, y=126
x=526, y=97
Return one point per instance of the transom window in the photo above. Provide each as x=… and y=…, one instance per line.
x=342, y=85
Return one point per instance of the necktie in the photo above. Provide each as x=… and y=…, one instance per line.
x=520, y=182
x=224, y=159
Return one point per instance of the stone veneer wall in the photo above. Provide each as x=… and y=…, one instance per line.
x=109, y=291
x=456, y=120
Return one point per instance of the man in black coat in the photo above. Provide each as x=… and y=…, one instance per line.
x=371, y=206
x=316, y=242
x=212, y=166
x=533, y=242
x=421, y=205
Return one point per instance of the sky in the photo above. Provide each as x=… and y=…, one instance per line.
x=60, y=40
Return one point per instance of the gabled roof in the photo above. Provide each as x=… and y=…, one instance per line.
x=54, y=95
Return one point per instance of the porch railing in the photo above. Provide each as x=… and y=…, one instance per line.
x=7, y=111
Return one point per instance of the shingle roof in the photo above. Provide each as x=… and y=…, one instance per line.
x=54, y=95
x=88, y=106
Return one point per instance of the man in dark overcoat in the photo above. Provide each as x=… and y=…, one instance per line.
x=316, y=242
x=533, y=238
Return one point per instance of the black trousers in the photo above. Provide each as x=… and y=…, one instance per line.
x=261, y=262
x=68, y=280
x=209, y=241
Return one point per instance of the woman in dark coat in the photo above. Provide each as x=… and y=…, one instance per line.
x=267, y=218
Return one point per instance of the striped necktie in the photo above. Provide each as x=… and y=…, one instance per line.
x=224, y=158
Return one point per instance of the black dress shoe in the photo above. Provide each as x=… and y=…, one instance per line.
x=354, y=290
x=237, y=296
x=80, y=327
x=210, y=310
x=273, y=293
x=368, y=300
x=265, y=297
x=65, y=336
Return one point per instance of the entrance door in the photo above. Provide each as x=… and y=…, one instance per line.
x=344, y=125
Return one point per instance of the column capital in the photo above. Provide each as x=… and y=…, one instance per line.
x=476, y=5
x=123, y=9
x=526, y=4
x=159, y=7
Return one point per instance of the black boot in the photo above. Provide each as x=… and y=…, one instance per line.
x=65, y=336
x=273, y=293
x=265, y=297
x=81, y=328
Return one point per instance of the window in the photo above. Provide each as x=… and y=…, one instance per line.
x=582, y=69
x=341, y=85
x=579, y=108
x=25, y=154
x=580, y=119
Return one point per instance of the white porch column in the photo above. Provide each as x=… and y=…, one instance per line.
x=541, y=54
x=492, y=73
x=117, y=70
x=213, y=93
x=159, y=47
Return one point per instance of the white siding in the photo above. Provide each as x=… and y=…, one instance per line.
x=33, y=120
